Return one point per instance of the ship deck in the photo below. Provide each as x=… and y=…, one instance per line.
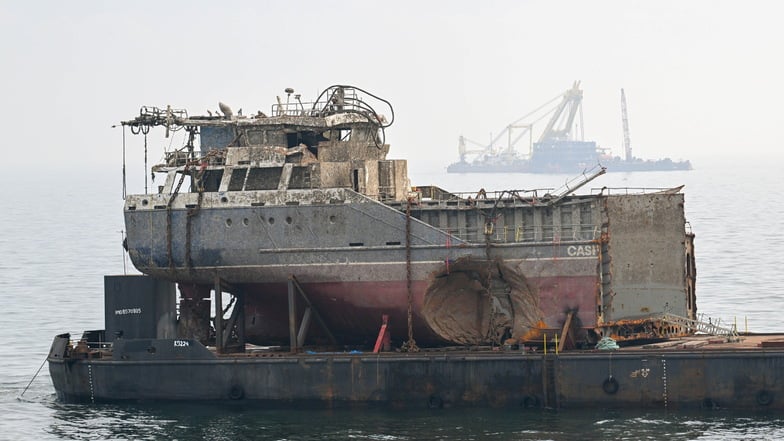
x=698, y=343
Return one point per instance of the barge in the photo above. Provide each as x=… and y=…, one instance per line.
x=723, y=375
x=286, y=259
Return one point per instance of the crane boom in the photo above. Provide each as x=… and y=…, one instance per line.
x=565, y=113
x=560, y=126
x=627, y=141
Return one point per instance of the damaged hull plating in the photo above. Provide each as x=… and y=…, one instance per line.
x=353, y=260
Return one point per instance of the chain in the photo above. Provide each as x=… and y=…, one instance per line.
x=124, y=186
x=196, y=180
x=410, y=345
x=489, y=291
x=490, y=221
x=145, y=163
x=169, y=252
x=191, y=213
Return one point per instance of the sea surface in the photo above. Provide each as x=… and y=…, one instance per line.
x=61, y=231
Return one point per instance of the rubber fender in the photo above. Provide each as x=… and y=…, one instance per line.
x=530, y=401
x=236, y=392
x=708, y=403
x=764, y=397
x=610, y=385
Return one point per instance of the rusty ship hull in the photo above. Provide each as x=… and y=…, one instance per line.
x=354, y=263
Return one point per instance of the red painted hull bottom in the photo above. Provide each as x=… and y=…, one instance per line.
x=353, y=311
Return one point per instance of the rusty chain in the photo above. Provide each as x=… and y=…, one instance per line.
x=490, y=221
x=410, y=345
x=196, y=179
x=191, y=213
x=489, y=289
x=169, y=253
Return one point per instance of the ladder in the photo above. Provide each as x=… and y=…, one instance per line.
x=708, y=328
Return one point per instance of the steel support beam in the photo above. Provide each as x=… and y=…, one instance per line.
x=303, y=327
x=310, y=306
x=218, y=316
x=241, y=319
x=292, y=317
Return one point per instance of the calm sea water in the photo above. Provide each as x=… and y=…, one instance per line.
x=60, y=232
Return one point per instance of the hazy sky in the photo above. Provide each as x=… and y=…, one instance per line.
x=702, y=78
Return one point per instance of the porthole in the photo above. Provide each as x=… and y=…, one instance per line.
x=228, y=222
x=245, y=222
x=332, y=219
x=271, y=220
x=288, y=219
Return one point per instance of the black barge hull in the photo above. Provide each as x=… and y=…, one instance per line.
x=172, y=370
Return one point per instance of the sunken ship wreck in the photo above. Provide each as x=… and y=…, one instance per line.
x=285, y=258
x=308, y=192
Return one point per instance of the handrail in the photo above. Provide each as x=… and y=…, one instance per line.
x=633, y=190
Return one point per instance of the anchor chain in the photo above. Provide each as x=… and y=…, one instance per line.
x=196, y=178
x=410, y=345
x=490, y=220
x=145, y=164
x=491, y=267
x=193, y=212
x=169, y=253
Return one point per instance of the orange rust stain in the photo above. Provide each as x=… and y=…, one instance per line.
x=535, y=332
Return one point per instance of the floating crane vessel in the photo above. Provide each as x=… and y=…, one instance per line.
x=560, y=148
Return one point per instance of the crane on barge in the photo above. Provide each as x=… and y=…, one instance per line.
x=559, y=127
x=562, y=122
x=560, y=148
x=563, y=114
